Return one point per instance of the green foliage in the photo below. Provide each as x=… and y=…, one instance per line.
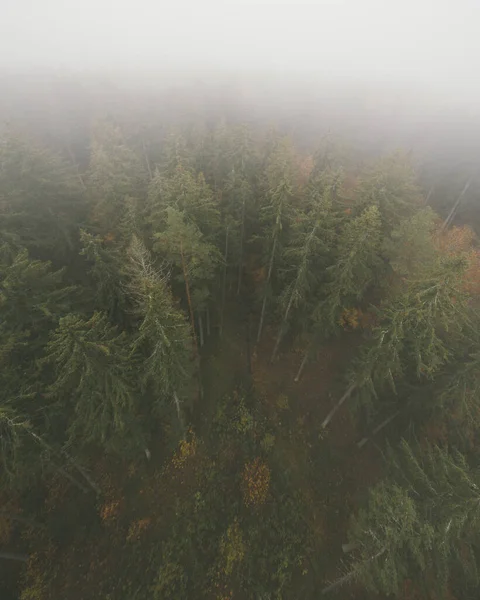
x=184, y=247
x=105, y=262
x=410, y=248
x=114, y=174
x=420, y=523
x=410, y=340
x=391, y=186
x=163, y=337
x=41, y=200
x=356, y=267
x=93, y=380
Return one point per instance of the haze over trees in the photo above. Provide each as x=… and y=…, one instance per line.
x=237, y=361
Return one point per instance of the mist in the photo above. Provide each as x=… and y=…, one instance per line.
x=379, y=74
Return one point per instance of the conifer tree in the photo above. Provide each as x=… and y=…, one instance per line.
x=187, y=192
x=115, y=173
x=194, y=259
x=105, y=260
x=163, y=339
x=276, y=212
x=312, y=236
x=421, y=523
x=41, y=202
x=354, y=269
x=391, y=186
x=93, y=382
x=409, y=344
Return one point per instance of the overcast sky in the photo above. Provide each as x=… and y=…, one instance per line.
x=434, y=42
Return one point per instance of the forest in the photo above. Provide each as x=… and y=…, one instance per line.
x=237, y=361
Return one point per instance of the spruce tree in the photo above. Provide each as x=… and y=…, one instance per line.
x=93, y=381
x=421, y=523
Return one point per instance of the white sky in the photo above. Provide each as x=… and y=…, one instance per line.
x=435, y=42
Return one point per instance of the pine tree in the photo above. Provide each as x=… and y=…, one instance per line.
x=93, y=381
x=276, y=213
x=410, y=341
x=421, y=523
x=410, y=248
x=163, y=339
x=41, y=201
x=183, y=191
x=354, y=270
x=32, y=296
x=115, y=173
x=312, y=236
x=391, y=186
x=105, y=261
x=195, y=260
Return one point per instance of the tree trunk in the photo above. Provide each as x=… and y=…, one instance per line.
x=242, y=235
x=189, y=300
x=13, y=556
x=200, y=328
x=302, y=366
x=280, y=331
x=224, y=291
x=145, y=154
x=208, y=321
x=451, y=214
x=330, y=415
x=383, y=424
x=342, y=581
x=270, y=267
x=179, y=412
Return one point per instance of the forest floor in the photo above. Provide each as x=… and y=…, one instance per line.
x=326, y=465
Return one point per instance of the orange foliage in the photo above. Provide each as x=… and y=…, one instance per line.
x=110, y=511
x=460, y=241
x=350, y=318
x=256, y=482
x=137, y=528
x=455, y=240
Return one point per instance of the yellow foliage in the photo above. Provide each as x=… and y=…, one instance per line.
x=351, y=318
x=110, y=511
x=256, y=482
x=232, y=547
x=187, y=449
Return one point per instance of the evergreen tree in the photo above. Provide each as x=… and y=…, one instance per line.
x=410, y=340
x=276, y=212
x=421, y=523
x=93, y=382
x=312, y=237
x=163, y=339
x=115, y=173
x=187, y=192
x=105, y=261
x=391, y=186
x=195, y=260
x=41, y=202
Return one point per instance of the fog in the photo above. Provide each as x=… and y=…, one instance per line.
x=425, y=43
x=381, y=74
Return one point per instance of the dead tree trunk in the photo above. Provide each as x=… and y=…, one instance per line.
x=337, y=406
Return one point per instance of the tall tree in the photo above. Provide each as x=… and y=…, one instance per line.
x=421, y=523
x=115, y=173
x=93, y=381
x=41, y=201
x=163, y=339
x=276, y=212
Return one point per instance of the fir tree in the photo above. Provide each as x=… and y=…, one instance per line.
x=93, y=382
